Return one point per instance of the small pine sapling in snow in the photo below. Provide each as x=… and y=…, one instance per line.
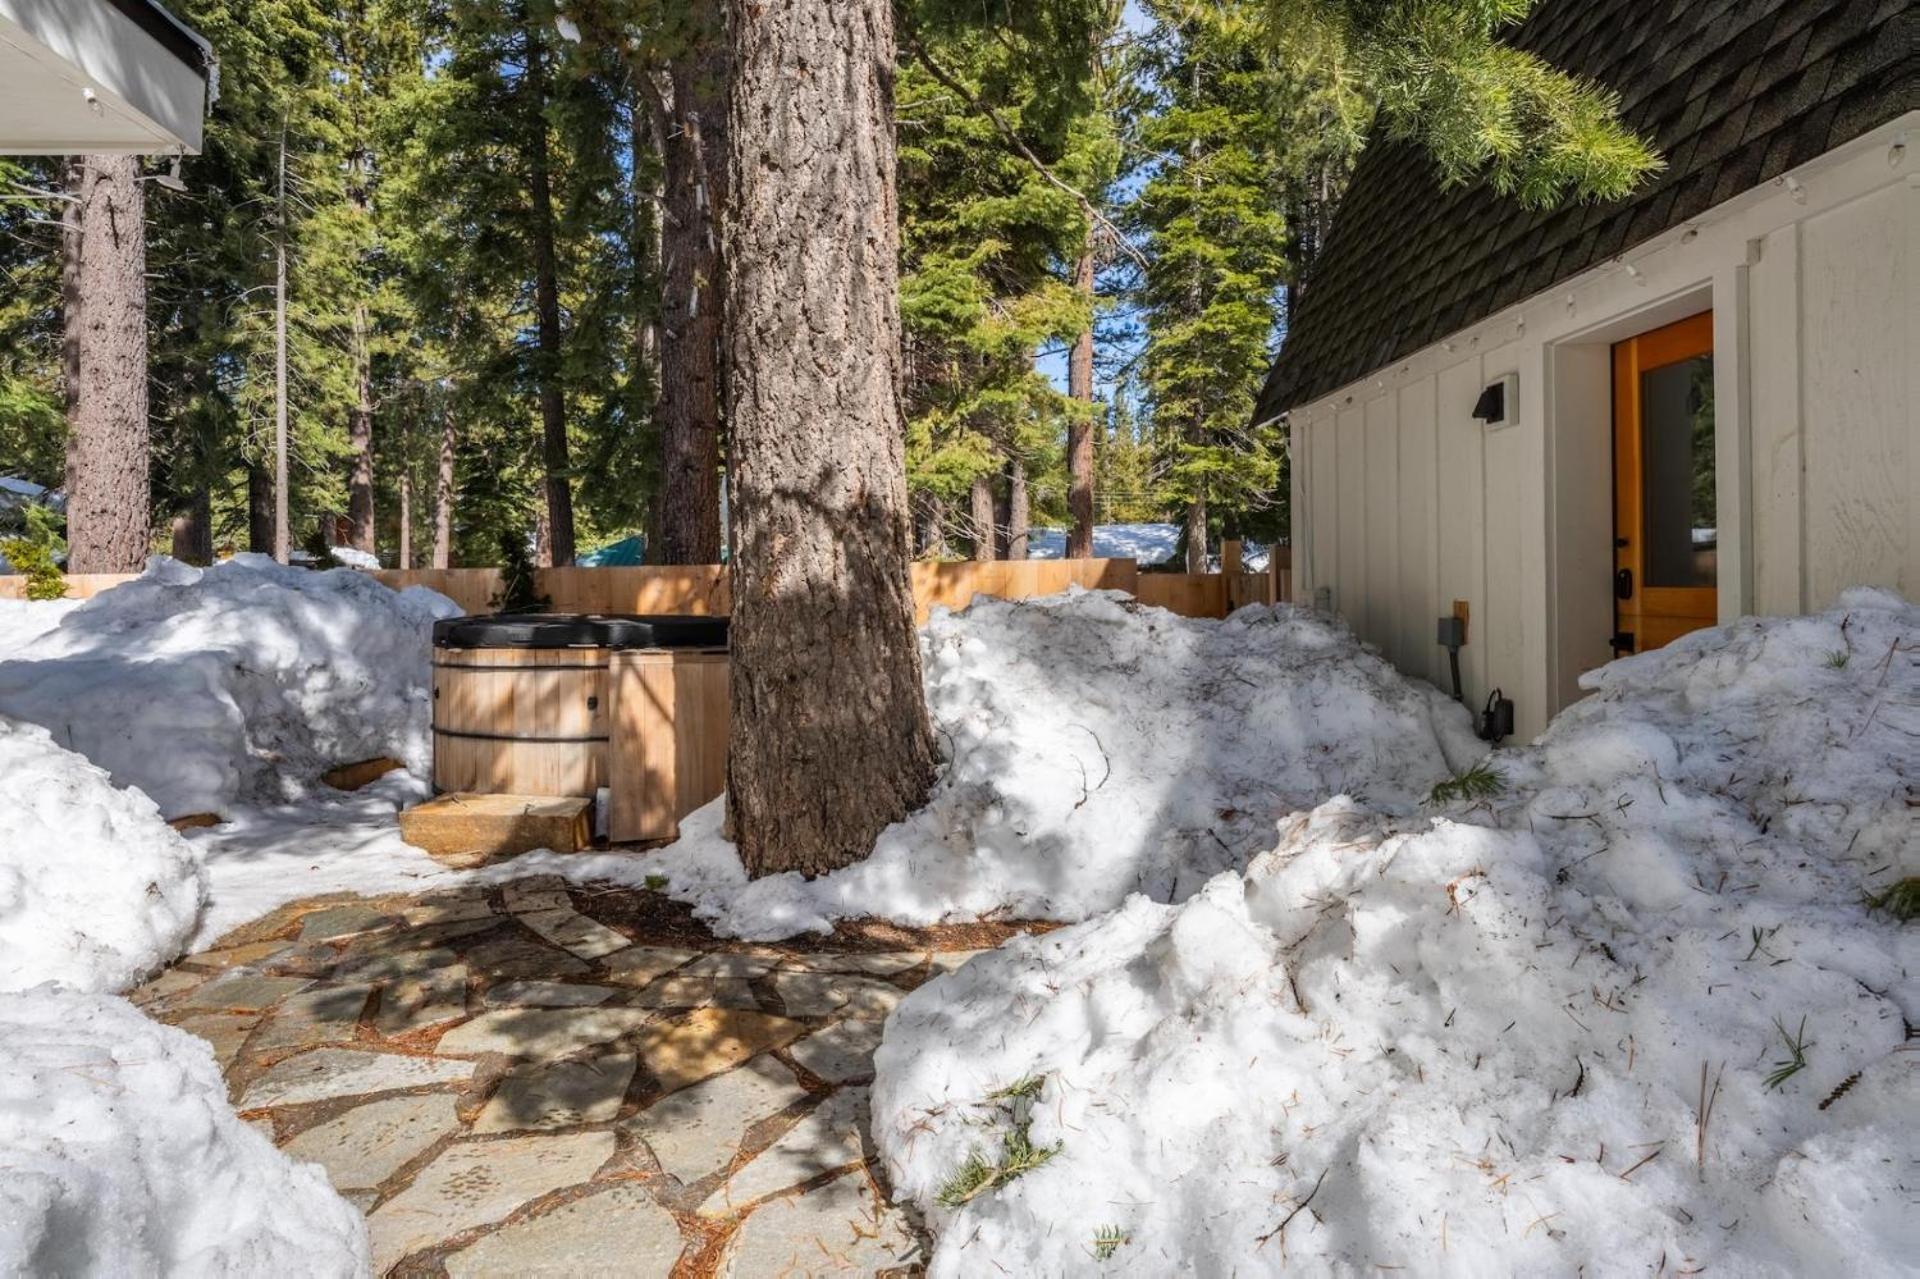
x=1838, y=659
x=1108, y=1240
x=1796, y=1058
x=1018, y=1154
x=1902, y=901
x=1482, y=781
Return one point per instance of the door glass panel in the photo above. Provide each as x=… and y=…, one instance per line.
x=1676, y=450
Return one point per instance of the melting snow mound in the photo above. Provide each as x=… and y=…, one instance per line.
x=95, y=890
x=236, y=683
x=122, y=1157
x=1098, y=748
x=1626, y=1010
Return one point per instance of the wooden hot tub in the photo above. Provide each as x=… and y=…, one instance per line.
x=532, y=705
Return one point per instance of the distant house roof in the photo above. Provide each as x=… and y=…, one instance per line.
x=1732, y=92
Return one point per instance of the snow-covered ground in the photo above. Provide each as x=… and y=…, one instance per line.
x=1144, y=543
x=1551, y=1028
x=23, y=621
x=122, y=1157
x=96, y=892
x=236, y=684
x=1097, y=748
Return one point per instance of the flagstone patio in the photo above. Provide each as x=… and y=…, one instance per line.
x=537, y=1080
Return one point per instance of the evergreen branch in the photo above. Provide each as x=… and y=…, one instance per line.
x=1020, y=147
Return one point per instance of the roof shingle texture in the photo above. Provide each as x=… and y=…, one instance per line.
x=1732, y=92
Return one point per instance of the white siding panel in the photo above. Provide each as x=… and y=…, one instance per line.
x=1773, y=329
x=1419, y=534
x=1462, y=513
x=1854, y=289
x=1350, y=514
x=1383, y=529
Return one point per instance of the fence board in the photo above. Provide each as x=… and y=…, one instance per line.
x=703, y=589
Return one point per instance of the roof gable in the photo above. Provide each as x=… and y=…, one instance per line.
x=1732, y=92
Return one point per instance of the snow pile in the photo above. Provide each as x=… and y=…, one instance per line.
x=95, y=890
x=122, y=1157
x=236, y=683
x=354, y=557
x=24, y=621
x=1625, y=1011
x=1098, y=748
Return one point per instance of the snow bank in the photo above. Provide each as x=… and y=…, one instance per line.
x=237, y=683
x=122, y=1157
x=1474, y=1043
x=24, y=621
x=95, y=890
x=1095, y=748
x=1142, y=543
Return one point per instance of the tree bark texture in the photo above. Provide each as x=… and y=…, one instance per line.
x=259, y=509
x=1080, y=426
x=109, y=527
x=360, y=441
x=404, y=554
x=830, y=740
x=553, y=402
x=1019, y=508
x=443, y=491
x=693, y=302
x=1197, y=535
x=986, y=544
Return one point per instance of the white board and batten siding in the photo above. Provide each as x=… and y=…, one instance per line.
x=1404, y=503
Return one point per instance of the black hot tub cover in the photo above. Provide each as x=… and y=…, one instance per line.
x=555, y=630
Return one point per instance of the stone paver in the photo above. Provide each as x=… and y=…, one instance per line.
x=698, y=1130
x=244, y=992
x=225, y=1032
x=819, y=994
x=638, y=965
x=689, y=1047
x=559, y=1094
x=617, y=1232
x=842, y=1228
x=840, y=1052
x=882, y=964
x=396, y=1013
x=476, y=1183
x=572, y=931
x=326, y=1073
x=520, y=993
x=826, y=1139
x=542, y=1032
x=366, y=1145
x=696, y=992
x=415, y=1004
x=343, y=921
x=323, y=1015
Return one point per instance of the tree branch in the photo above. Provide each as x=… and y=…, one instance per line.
x=1094, y=216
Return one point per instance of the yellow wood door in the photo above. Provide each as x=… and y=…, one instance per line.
x=1666, y=532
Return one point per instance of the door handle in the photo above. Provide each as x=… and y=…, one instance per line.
x=1623, y=584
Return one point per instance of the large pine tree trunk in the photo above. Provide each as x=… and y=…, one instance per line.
x=105, y=281
x=1197, y=535
x=1019, y=509
x=259, y=509
x=693, y=299
x=830, y=740
x=553, y=402
x=1080, y=427
x=360, y=441
x=443, y=491
x=980, y=515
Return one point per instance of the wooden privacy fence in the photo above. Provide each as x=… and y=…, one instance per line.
x=703, y=589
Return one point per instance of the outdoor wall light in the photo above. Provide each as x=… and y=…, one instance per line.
x=1499, y=402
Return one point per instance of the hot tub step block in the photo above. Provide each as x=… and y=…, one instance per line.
x=464, y=829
